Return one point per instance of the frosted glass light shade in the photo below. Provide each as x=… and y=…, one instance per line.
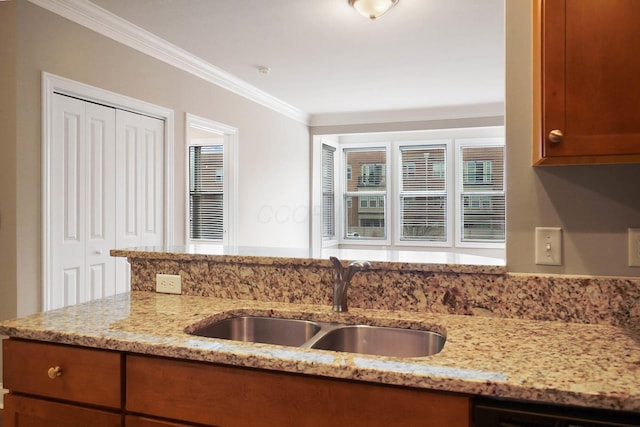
x=372, y=9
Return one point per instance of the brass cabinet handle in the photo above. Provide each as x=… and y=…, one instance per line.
x=54, y=373
x=555, y=136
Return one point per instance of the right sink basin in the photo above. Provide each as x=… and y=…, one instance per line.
x=381, y=341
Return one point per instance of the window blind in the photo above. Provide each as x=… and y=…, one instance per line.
x=328, y=192
x=482, y=199
x=365, y=193
x=206, y=192
x=423, y=193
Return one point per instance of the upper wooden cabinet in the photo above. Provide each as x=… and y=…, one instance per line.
x=587, y=80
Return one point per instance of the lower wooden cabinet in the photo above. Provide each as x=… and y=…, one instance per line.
x=226, y=396
x=21, y=411
x=67, y=386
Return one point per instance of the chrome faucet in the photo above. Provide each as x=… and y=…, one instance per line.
x=341, y=279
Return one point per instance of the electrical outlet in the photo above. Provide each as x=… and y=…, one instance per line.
x=168, y=283
x=634, y=247
x=548, y=245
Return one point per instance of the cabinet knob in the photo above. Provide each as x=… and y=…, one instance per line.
x=555, y=136
x=54, y=373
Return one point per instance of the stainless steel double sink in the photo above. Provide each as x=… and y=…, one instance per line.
x=364, y=339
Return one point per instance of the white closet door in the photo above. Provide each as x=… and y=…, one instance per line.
x=139, y=186
x=82, y=214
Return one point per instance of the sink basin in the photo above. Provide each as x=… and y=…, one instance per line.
x=374, y=340
x=381, y=341
x=266, y=330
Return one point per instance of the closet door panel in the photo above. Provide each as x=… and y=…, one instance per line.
x=139, y=186
x=67, y=216
x=100, y=178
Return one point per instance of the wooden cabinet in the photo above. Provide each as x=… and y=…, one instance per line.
x=587, y=87
x=100, y=388
x=21, y=411
x=234, y=397
x=42, y=377
x=83, y=375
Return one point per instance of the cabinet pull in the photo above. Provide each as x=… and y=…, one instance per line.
x=555, y=136
x=54, y=373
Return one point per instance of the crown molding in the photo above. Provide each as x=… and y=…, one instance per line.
x=472, y=111
x=103, y=22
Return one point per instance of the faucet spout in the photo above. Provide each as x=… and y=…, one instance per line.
x=341, y=280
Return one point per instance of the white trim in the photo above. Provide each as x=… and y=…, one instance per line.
x=231, y=140
x=103, y=22
x=3, y=391
x=386, y=146
x=465, y=143
x=495, y=109
x=449, y=188
x=52, y=83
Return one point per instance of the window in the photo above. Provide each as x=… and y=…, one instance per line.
x=482, y=197
x=368, y=220
x=206, y=191
x=423, y=194
x=211, y=182
x=328, y=196
x=445, y=193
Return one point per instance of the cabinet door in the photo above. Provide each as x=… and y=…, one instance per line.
x=590, y=87
x=236, y=397
x=22, y=411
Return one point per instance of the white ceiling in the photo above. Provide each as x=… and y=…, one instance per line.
x=326, y=59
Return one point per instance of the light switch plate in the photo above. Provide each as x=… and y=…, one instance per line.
x=634, y=247
x=548, y=246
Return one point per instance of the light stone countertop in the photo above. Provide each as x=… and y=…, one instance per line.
x=553, y=362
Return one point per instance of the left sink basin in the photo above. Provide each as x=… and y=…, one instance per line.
x=266, y=330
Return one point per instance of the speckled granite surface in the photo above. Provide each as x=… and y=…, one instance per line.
x=558, y=362
x=408, y=286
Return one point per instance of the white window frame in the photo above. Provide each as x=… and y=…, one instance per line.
x=365, y=140
x=341, y=194
x=459, y=145
x=317, y=240
x=332, y=241
x=230, y=142
x=450, y=180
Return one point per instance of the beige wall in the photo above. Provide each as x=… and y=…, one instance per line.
x=8, y=236
x=47, y=42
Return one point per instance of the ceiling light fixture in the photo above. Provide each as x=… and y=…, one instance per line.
x=372, y=9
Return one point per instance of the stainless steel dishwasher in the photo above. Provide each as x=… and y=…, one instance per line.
x=504, y=413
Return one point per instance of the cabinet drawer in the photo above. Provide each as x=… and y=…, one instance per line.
x=23, y=411
x=85, y=375
x=237, y=397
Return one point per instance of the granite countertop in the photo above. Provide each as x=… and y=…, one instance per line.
x=394, y=260
x=554, y=362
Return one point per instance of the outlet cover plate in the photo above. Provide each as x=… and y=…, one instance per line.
x=168, y=283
